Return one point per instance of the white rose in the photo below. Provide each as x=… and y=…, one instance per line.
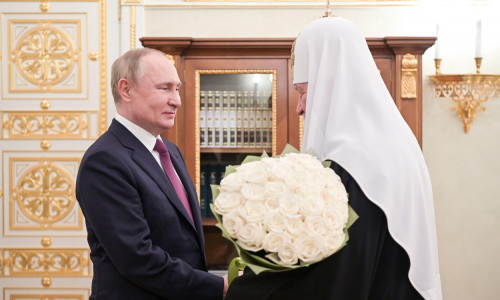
x=333, y=241
x=312, y=205
x=255, y=172
x=308, y=189
x=233, y=222
x=325, y=178
x=280, y=170
x=251, y=236
x=248, y=246
x=272, y=203
x=328, y=198
x=306, y=161
x=289, y=204
x=331, y=197
x=253, y=192
x=334, y=219
x=339, y=192
x=276, y=189
x=225, y=202
x=309, y=248
x=330, y=174
x=232, y=182
x=293, y=179
x=274, y=240
x=343, y=209
x=294, y=225
x=274, y=221
x=315, y=225
x=288, y=255
x=253, y=211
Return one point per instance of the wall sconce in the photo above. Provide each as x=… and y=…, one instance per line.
x=468, y=91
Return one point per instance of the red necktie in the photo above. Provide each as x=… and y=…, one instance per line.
x=171, y=174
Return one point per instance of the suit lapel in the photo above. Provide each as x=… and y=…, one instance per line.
x=146, y=161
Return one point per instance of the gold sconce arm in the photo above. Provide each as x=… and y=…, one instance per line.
x=468, y=91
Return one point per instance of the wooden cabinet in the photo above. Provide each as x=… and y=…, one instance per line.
x=258, y=70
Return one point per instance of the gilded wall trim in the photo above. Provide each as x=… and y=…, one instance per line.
x=45, y=194
x=46, y=262
x=44, y=6
x=46, y=297
x=46, y=124
x=132, y=27
x=103, y=112
x=42, y=194
x=43, y=293
x=45, y=56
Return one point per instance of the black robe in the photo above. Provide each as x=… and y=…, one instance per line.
x=371, y=266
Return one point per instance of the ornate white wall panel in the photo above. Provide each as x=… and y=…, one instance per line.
x=41, y=191
x=53, y=104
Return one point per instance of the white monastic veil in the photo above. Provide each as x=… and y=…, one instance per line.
x=351, y=119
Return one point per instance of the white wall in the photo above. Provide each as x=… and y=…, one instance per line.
x=464, y=167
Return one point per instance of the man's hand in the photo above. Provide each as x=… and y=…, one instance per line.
x=226, y=286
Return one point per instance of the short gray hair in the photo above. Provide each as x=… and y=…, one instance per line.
x=129, y=66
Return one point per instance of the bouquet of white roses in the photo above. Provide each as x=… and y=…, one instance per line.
x=282, y=212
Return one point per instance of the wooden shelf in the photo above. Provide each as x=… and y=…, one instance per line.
x=209, y=221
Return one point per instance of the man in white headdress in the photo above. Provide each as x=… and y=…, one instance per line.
x=351, y=119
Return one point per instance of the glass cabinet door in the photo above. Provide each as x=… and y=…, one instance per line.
x=236, y=116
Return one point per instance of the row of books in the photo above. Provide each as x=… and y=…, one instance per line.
x=209, y=174
x=230, y=119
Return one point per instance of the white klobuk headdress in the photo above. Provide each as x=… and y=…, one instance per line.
x=350, y=118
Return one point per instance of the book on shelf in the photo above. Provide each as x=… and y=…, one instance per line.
x=230, y=119
x=203, y=119
x=269, y=126
x=258, y=120
x=210, y=119
x=203, y=191
x=217, y=134
x=266, y=121
x=246, y=119
x=252, y=114
x=224, y=128
x=212, y=175
x=239, y=119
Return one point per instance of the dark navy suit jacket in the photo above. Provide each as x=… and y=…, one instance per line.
x=143, y=243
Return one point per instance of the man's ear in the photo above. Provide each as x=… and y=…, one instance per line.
x=124, y=89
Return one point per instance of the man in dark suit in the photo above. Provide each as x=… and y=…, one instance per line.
x=145, y=244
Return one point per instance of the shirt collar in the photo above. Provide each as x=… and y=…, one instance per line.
x=146, y=138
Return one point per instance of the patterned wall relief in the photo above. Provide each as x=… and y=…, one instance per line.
x=42, y=195
x=48, y=125
x=46, y=262
x=53, y=58
x=53, y=103
x=45, y=56
x=44, y=294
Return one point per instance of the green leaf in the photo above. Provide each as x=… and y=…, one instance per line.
x=251, y=158
x=229, y=169
x=289, y=149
